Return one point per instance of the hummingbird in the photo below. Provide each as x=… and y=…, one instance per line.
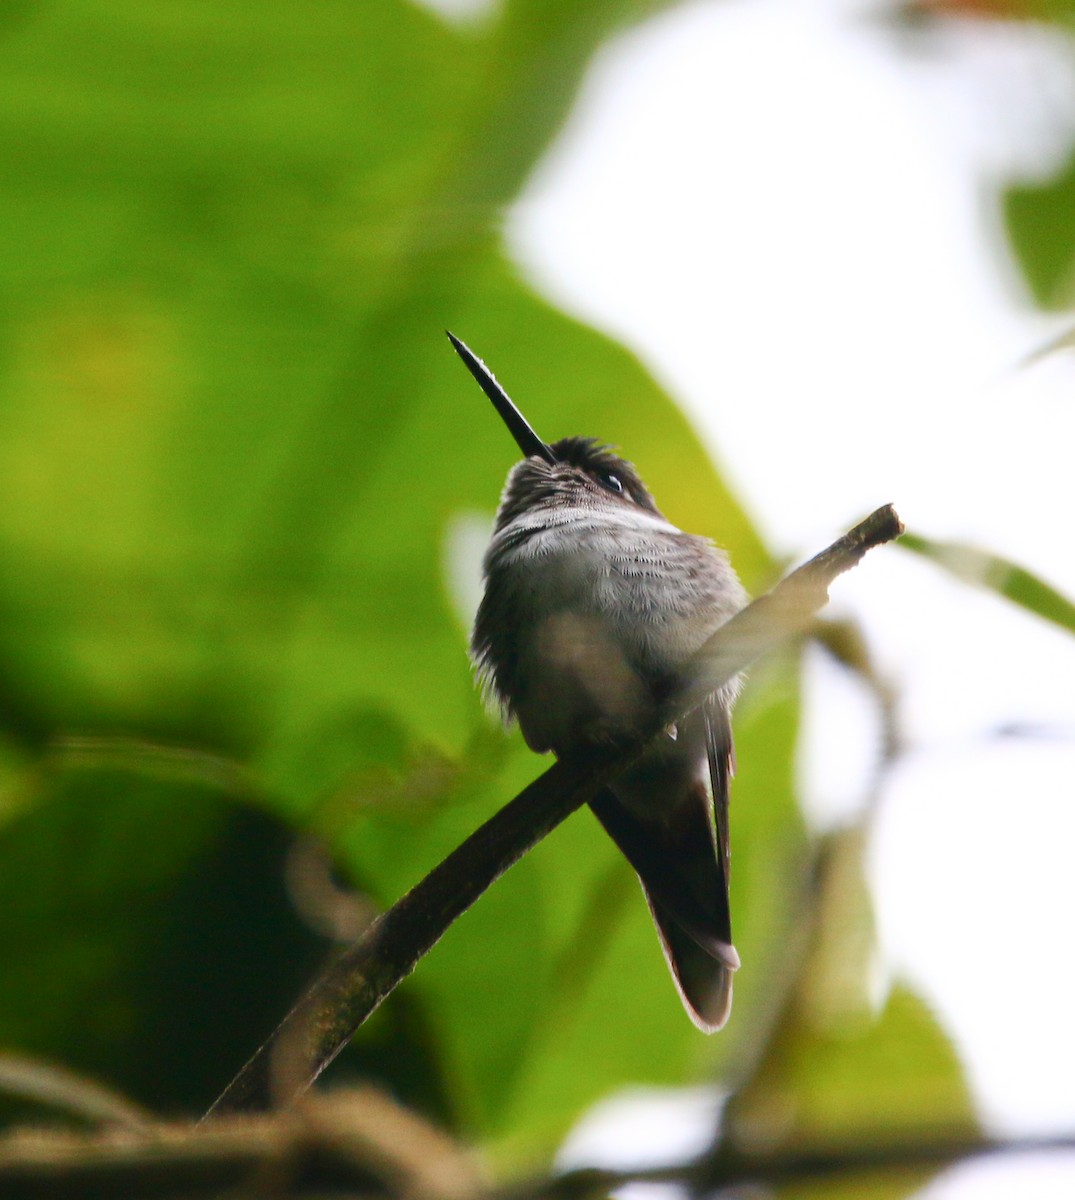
x=593, y=604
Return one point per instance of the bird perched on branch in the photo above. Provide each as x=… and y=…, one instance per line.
x=593, y=604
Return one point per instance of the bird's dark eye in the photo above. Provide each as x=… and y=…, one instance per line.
x=610, y=482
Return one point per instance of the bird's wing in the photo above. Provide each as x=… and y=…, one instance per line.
x=720, y=750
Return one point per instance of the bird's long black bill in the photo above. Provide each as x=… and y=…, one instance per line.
x=528, y=441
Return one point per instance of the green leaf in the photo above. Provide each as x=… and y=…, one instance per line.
x=831, y=1084
x=999, y=575
x=1041, y=225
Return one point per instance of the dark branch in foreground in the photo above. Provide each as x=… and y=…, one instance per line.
x=361, y=1144
x=361, y=976
x=735, y=1169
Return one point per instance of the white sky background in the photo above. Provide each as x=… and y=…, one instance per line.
x=784, y=208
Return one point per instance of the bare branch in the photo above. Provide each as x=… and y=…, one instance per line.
x=46, y=1083
x=354, y=1142
x=362, y=1144
x=734, y=1169
x=362, y=975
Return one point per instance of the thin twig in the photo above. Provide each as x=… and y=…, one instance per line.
x=356, y=982
x=55, y=1086
x=368, y=1146
x=734, y=1169
x=350, y=1143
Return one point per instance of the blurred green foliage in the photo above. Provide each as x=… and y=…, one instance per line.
x=1041, y=222
x=997, y=574
x=234, y=445
x=1040, y=214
